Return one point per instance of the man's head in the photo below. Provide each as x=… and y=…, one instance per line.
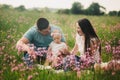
x=43, y=26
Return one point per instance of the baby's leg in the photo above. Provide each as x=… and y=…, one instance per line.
x=47, y=62
x=54, y=62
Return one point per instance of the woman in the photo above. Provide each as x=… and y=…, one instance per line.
x=87, y=40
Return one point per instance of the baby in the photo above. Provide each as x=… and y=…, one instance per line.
x=55, y=46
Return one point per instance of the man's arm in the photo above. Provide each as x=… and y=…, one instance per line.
x=27, y=38
x=22, y=45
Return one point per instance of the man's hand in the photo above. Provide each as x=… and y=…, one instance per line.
x=31, y=52
x=24, y=47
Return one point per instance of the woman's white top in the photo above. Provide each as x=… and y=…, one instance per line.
x=81, y=43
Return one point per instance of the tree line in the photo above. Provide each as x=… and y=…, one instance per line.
x=93, y=9
x=77, y=8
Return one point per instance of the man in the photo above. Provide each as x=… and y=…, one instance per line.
x=39, y=35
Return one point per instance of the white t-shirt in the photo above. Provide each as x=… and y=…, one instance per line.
x=56, y=47
x=81, y=43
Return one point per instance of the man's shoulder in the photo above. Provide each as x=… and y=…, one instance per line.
x=31, y=31
x=34, y=28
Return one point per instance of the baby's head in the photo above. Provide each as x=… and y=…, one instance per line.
x=56, y=36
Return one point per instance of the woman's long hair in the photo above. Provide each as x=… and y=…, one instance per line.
x=88, y=31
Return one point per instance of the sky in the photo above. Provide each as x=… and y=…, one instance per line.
x=110, y=5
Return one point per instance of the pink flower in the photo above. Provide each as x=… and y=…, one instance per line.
x=113, y=73
x=14, y=69
x=108, y=48
x=30, y=77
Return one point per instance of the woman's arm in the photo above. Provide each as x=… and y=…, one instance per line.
x=75, y=49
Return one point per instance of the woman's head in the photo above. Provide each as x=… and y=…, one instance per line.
x=86, y=27
x=79, y=30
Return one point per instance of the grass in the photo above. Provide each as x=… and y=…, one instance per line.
x=14, y=24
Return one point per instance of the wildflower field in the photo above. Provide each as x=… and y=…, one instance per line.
x=13, y=24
